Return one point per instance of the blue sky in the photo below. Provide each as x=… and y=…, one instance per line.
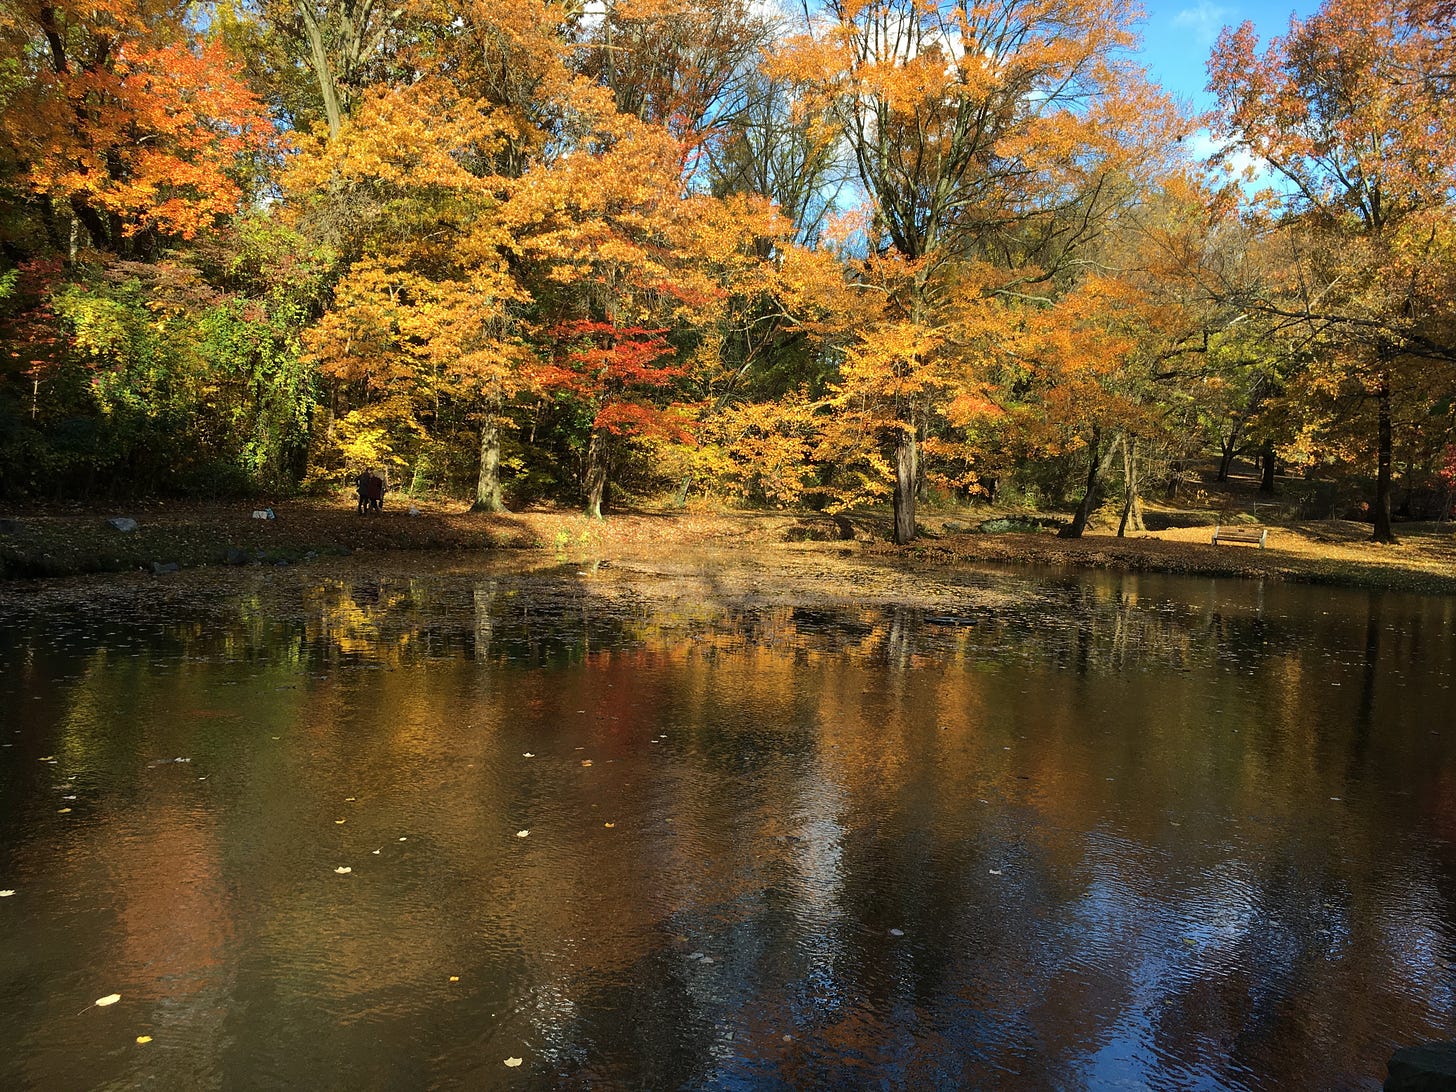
x=1178, y=35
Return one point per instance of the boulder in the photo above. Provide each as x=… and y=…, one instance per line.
x=1427, y=1067
x=123, y=523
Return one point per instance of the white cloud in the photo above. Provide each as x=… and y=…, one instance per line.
x=1203, y=147
x=1205, y=21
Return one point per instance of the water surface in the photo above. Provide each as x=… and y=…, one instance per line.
x=1027, y=831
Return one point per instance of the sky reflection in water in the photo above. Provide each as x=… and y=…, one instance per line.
x=1113, y=832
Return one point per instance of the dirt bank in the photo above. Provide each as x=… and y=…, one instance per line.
x=64, y=541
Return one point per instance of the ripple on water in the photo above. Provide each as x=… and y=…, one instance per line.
x=1086, y=838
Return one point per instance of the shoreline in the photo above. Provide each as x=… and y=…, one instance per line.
x=72, y=541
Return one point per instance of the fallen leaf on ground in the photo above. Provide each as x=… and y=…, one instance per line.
x=109, y=999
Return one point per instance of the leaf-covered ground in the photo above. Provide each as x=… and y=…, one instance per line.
x=62, y=541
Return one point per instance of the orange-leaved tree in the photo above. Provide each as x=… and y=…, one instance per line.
x=981, y=132
x=611, y=238
x=1353, y=114
x=426, y=318
x=125, y=120
x=616, y=374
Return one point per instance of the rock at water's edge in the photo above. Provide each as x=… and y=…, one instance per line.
x=1428, y=1067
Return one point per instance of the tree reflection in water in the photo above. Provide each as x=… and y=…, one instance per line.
x=1080, y=832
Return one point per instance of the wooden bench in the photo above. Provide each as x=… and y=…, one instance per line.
x=1252, y=536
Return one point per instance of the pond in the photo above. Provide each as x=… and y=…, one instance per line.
x=404, y=823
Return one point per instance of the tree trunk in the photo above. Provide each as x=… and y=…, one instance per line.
x=1225, y=462
x=1266, y=483
x=597, y=465
x=322, y=70
x=680, y=494
x=1174, y=480
x=907, y=466
x=1090, y=497
x=488, y=485
x=1132, y=505
x=1383, y=532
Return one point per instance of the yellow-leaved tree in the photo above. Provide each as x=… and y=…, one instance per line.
x=988, y=139
x=1353, y=115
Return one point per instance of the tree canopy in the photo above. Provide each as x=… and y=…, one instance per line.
x=870, y=252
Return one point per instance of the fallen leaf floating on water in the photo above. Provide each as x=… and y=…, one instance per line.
x=62, y=811
x=995, y=871
x=338, y=821
x=609, y=825
x=404, y=839
x=522, y=833
x=343, y=870
x=528, y=754
x=348, y=799
x=586, y=762
x=376, y=853
x=454, y=978
x=109, y=999
x=144, y=1039
x=513, y=1062
x=897, y=932
x=6, y=894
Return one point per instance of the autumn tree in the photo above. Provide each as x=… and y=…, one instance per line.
x=980, y=133
x=123, y=119
x=686, y=66
x=425, y=314
x=1353, y=113
x=779, y=147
